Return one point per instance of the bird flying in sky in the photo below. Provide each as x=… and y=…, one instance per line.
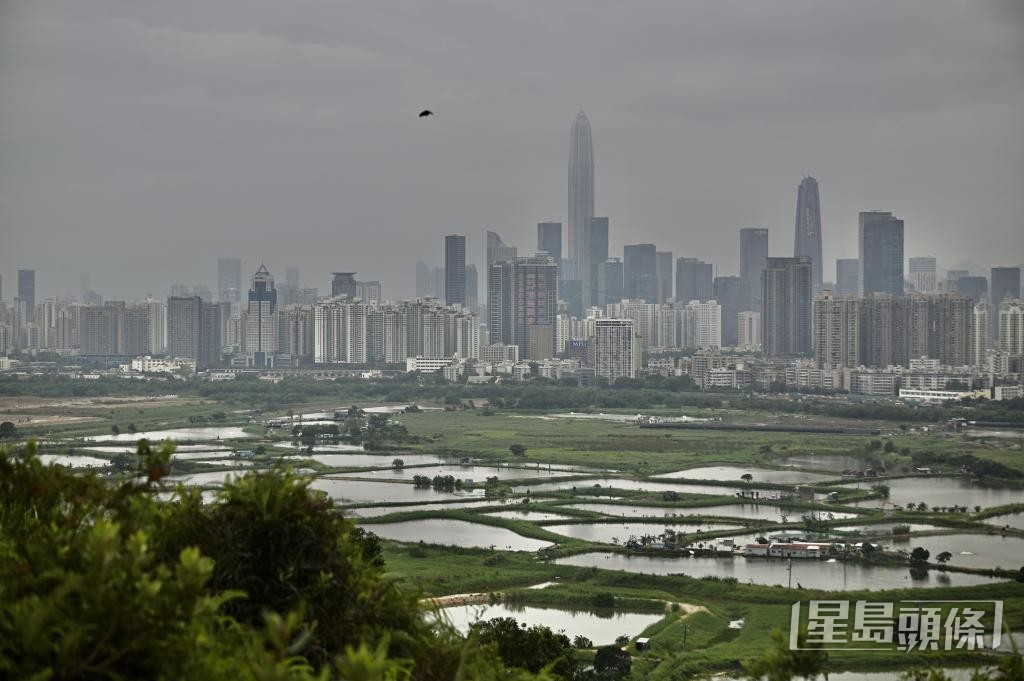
x=425, y=113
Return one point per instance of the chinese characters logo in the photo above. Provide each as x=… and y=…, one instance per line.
x=900, y=625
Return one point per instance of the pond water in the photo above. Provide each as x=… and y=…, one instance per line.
x=376, y=511
x=207, y=477
x=811, y=574
x=953, y=674
x=589, y=486
x=973, y=550
x=767, y=475
x=478, y=474
x=178, y=449
x=602, y=628
x=606, y=532
x=750, y=512
x=456, y=533
x=367, y=460
x=222, y=433
x=342, y=489
x=1014, y=520
x=533, y=516
x=887, y=528
x=939, y=491
x=330, y=447
x=832, y=463
x=71, y=461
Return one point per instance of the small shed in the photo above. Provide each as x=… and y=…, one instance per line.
x=643, y=643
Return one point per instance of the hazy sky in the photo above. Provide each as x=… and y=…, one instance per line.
x=141, y=139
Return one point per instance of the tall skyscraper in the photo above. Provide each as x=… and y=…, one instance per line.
x=973, y=286
x=549, y=240
x=581, y=197
x=472, y=296
x=522, y=305
x=694, y=280
x=1004, y=284
x=880, y=241
x=183, y=326
x=640, y=272
x=732, y=295
x=455, y=269
x=610, y=282
x=598, y=254
x=838, y=331
x=261, y=321
x=27, y=293
x=847, y=274
x=786, y=311
x=424, y=283
x=1011, y=327
x=922, y=274
x=229, y=280
x=808, y=227
x=753, y=260
x=664, y=272
x=343, y=284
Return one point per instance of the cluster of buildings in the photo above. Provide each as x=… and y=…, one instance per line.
x=887, y=323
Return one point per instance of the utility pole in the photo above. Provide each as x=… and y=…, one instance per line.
x=790, y=569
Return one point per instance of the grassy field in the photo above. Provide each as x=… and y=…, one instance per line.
x=682, y=644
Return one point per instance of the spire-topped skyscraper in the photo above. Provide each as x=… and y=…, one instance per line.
x=808, y=228
x=581, y=203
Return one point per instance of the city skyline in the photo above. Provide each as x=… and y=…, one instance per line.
x=687, y=153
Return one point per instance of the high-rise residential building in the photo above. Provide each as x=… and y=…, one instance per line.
x=343, y=284
x=612, y=349
x=847, y=276
x=229, y=280
x=640, y=272
x=261, y=322
x=975, y=287
x=694, y=280
x=749, y=330
x=838, y=331
x=472, y=297
x=1011, y=327
x=950, y=337
x=369, y=291
x=100, y=329
x=27, y=293
x=1004, y=284
x=753, y=260
x=183, y=326
x=663, y=267
x=734, y=297
x=597, y=254
x=979, y=334
x=455, y=269
x=706, y=324
x=808, y=227
x=289, y=294
x=922, y=274
x=786, y=306
x=340, y=332
x=424, y=282
x=880, y=243
x=644, y=316
x=610, y=282
x=581, y=198
x=549, y=240
x=523, y=303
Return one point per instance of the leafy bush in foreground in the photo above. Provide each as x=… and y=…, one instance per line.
x=103, y=581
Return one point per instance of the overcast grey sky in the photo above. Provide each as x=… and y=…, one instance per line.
x=141, y=139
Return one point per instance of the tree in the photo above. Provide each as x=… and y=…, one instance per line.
x=7, y=429
x=919, y=555
x=265, y=582
x=532, y=648
x=517, y=450
x=890, y=447
x=398, y=464
x=612, y=662
x=115, y=430
x=944, y=557
x=582, y=642
x=747, y=477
